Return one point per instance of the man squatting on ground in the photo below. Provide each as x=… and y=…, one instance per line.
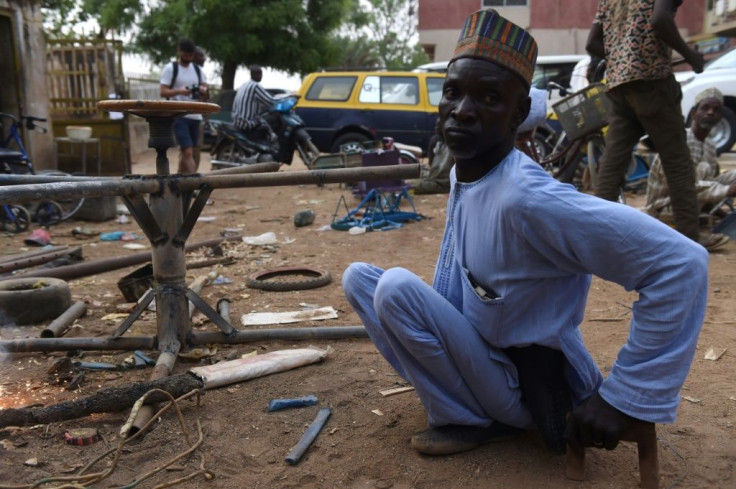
x=494, y=346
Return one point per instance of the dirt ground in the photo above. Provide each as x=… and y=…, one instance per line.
x=365, y=443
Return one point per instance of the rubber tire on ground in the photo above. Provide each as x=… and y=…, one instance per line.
x=314, y=278
x=349, y=137
x=33, y=300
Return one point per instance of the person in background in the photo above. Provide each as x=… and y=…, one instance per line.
x=494, y=346
x=251, y=104
x=636, y=38
x=183, y=80
x=712, y=185
x=199, y=59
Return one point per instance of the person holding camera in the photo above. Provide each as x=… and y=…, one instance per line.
x=183, y=80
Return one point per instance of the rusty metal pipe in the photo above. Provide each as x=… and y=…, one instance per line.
x=37, y=259
x=88, y=189
x=59, y=325
x=10, y=179
x=86, y=269
x=254, y=168
x=21, y=256
x=68, y=344
x=163, y=368
x=246, y=336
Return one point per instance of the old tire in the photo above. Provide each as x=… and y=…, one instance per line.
x=273, y=280
x=33, y=300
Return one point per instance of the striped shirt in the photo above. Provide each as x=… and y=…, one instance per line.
x=251, y=101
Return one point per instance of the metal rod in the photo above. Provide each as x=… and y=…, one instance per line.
x=67, y=344
x=246, y=336
x=59, y=325
x=223, y=307
x=21, y=256
x=38, y=259
x=101, y=188
x=300, y=448
x=163, y=368
x=86, y=269
x=254, y=168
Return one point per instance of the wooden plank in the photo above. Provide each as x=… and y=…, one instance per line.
x=396, y=390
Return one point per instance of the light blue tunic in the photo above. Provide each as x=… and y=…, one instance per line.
x=514, y=269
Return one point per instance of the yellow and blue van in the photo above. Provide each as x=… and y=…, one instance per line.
x=346, y=107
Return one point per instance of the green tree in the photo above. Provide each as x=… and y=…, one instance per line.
x=393, y=26
x=296, y=36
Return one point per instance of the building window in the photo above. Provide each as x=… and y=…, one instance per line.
x=503, y=3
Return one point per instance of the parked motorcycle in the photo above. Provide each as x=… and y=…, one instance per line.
x=234, y=147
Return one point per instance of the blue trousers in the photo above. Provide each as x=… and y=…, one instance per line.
x=459, y=377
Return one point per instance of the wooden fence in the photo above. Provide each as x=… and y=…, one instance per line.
x=81, y=72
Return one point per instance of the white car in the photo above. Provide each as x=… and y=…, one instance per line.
x=719, y=73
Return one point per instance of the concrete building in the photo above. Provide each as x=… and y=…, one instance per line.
x=23, y=73
x=560, y=26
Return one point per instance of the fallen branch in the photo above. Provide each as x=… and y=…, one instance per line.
x=106, y=400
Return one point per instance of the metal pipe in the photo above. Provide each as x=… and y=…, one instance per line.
x=38, y=258
x=150, y=185
x=163, y=368
x=300, y=448
x=86, y=189
x=223, y=307
x=67, y=344
x=59, y=325
x=20, y=256
x=246, y=336
x=254, y=168
x=86, y=269
x=11, y=179
x=337, y=175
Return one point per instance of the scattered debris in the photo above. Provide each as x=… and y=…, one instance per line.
x=31, y=462
x=396, y=390
x=268, y=238
x=377, y=412
x=262, y=318
x=300, y=448
x=279, y=404
x=713, y=354
x=82, y=436
x=694, y=400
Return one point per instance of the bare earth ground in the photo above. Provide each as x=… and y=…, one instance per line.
x=365, y=443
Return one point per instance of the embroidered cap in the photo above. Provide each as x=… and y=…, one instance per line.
x=709, y=93
x=487, y=35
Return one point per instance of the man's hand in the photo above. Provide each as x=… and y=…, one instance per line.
x=595, y=423
x=696, y=60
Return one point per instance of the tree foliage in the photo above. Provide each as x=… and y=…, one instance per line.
x=394, y=28
x=296, y=36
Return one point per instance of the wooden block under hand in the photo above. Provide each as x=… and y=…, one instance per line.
x=645, y=436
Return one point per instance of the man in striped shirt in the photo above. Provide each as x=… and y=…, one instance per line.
x=251, y=102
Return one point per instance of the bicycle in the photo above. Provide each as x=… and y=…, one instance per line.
x=17, y=161
x=577, y=150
